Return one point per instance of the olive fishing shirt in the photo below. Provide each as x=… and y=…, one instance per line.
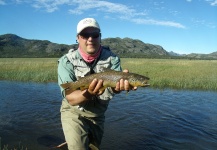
x=71, y=66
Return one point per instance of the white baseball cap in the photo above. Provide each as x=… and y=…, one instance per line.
x=87, y=22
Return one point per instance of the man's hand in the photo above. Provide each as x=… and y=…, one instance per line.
x=78, y=97
x=95, y=86
x=123, y=85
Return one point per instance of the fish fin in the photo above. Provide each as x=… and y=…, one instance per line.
x=102, y=89
x=82, y=88
x=127, y=92
x=92, y=146
x=79, y=77
x=103, y=69
x=68, y=91
x=66, y=85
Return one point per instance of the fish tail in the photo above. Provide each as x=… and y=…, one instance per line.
x=65, y=85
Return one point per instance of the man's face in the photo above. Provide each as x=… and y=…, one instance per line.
x=89, y=40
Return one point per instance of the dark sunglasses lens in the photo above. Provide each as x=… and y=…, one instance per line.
x=87, y=35
x=95, y=35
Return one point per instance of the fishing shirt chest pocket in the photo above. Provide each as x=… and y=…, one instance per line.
x=105, y=63
x=80, y=69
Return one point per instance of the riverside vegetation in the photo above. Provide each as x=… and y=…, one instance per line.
x=163, y=73
x=19, y=147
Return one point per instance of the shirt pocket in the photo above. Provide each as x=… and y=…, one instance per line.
x=102, y=64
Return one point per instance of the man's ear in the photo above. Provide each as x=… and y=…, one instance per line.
x=100, y=37
x=77, y=41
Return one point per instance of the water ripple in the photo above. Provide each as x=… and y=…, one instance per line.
x=143, y=119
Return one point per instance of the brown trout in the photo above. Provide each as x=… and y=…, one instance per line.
x=109, y=77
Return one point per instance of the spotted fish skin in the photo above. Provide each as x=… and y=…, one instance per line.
x=110, y=78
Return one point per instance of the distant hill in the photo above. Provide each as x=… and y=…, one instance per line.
x=195, y=55
x=171, y=53
x=127, y=47
x=202, y=56
x=14, y=46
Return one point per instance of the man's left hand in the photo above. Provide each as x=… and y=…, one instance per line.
x=123, y=85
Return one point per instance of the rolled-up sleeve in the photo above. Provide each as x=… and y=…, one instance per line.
x=65, y=72
x=116, y=63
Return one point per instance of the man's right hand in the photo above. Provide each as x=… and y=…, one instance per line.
x=95, y=86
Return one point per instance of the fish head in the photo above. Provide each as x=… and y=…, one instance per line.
x=138, y=80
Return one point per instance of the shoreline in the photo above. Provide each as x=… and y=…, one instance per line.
x=163, y=73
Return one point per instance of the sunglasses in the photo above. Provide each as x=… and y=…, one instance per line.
x=87, y=35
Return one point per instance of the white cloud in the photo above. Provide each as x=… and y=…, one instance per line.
x=214, y=3
x=2, y=2
x=118, y=11
x=158, y=22
x=104, y=6
x=196, y=22
x=189, y=0
x=122, y=11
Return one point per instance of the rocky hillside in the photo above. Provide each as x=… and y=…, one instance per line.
x=14, y=46
x=202, y=56
x=133, y=48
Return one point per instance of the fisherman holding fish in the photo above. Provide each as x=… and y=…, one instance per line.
x=86, y=99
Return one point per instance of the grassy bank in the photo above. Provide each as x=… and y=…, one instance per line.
x=29, y=69
x=173, y=73
x=164, y=73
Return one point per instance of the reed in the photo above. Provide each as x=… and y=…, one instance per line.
x=163, y=73
x=28, y=69
x=19, y=147
x=176, y=73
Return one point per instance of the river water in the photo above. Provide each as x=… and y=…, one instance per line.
x=143, y=119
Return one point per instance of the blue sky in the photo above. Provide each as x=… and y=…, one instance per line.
x=182, y=26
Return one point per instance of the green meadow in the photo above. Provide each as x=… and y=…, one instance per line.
x=163, y=73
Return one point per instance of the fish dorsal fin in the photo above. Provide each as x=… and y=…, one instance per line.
x=79, y=77
x=103, y=69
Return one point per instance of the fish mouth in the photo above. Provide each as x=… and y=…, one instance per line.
x=145, y=84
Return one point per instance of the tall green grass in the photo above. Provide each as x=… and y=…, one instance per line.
x=29, y=69
x=175, y=73
x=163, y=73
x=18, y=147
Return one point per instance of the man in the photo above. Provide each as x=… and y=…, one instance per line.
x=82, y=112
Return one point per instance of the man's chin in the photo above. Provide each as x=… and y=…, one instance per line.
x=91, y=51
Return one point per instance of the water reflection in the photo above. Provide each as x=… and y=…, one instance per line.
x=29, y=111
x=143, y=119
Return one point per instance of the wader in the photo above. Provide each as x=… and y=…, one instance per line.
x=83, y=125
